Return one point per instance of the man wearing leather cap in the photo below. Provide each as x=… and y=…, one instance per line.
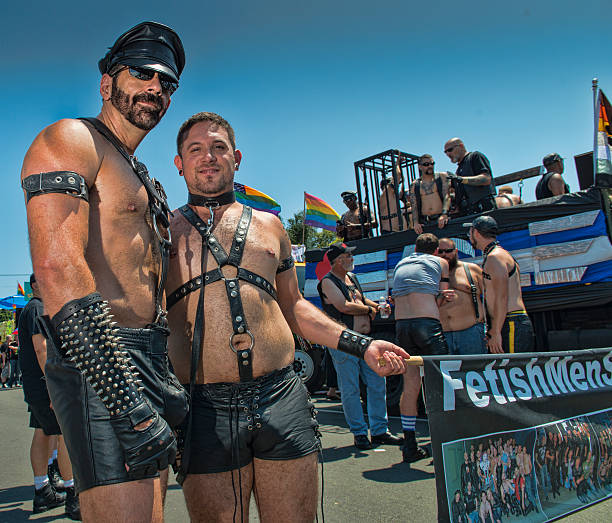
x=97, y=227
x=510, y=328
x=233, y=302
x=349, y=225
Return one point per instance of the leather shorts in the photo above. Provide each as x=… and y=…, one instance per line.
x=96, y=455
x=270, y=417
x=421, y=336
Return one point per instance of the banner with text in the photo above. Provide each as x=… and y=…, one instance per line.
x=520, y=436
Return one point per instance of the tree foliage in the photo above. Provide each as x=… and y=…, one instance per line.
x=313, y=238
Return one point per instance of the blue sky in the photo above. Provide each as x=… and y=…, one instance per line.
x=312, y=87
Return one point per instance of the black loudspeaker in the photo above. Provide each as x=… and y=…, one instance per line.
x=584, y=169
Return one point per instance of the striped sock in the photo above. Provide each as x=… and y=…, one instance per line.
x=69, y=483
x=40, y=481
x=408, y=423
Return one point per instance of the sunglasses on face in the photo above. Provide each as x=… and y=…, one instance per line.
x=167, y=84
x=449, y=149
x=427, y=164
x=446, y=251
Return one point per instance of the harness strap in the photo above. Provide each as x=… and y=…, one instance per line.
x=232, y=285
x=158, y=208
x=473, y=289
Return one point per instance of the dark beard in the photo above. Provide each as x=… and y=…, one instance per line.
x=452, y=263
x=145, y=118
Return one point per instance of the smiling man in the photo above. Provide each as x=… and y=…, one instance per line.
x=95, y=220
x=233, y=305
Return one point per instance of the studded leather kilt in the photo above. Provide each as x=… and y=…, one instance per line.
x=95, y=453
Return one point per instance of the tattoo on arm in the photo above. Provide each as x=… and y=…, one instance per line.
x=445, y=196
x=413, y=205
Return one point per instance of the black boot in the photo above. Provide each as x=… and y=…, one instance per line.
x=411, y=452
x=73, y=509
x=47, y=498
x=55, y=478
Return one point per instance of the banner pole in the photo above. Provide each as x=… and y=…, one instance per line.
x=595, y=127
x=304, y=222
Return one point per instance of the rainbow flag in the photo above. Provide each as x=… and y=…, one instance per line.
x=253, y=198
x=603, y=162
x=319, y=213
x=20, y=289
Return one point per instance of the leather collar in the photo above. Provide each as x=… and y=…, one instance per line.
x=217, y=201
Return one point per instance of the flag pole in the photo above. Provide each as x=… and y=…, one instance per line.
x=304, y=221
x=596, y=128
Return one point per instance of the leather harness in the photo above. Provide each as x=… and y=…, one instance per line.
x=232, y=287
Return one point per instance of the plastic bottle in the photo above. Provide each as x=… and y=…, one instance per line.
x=384, y=313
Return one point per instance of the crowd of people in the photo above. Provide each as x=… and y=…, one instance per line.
x=436, y=197
x=497, y=480
x=566, y=458
x=10, y=370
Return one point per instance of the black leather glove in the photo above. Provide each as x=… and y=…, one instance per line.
x=146, y=450
x=88, y=338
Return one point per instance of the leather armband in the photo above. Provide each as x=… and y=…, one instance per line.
x=88, y=338
x=354, y=343
x=63, y=182
x=285, y=265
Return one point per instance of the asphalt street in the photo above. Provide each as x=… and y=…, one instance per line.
x=359, y=486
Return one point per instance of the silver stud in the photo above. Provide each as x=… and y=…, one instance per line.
x=240, y=329
x=232, y=284
x=238, y=318
x=245, y=354
x=245, y=363
x=354, y=338
x=233, y=294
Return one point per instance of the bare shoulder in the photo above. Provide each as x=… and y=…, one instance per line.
x=269, y=221
x=476, y=269
x=66, y=145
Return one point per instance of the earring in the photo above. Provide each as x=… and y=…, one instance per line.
x=181, y=172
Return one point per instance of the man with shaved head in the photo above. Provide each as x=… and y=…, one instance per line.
x=474, y=186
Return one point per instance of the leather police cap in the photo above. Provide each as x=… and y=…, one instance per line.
x=150, y=45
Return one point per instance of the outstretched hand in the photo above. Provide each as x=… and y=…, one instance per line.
x=392, y=355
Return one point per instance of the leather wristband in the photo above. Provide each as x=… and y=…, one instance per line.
x=354, y=343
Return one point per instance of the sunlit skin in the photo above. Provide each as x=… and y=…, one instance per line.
x=109, y=241
x=287, y=490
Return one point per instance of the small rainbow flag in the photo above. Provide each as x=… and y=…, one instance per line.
x=253, y=198
x=20, y=289
x=319, y=213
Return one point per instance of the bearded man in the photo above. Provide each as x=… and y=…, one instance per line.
x=96, y=223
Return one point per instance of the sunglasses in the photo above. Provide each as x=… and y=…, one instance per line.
x=446, y=251
x=167, y=84
x=449, y=149
x=428, y=164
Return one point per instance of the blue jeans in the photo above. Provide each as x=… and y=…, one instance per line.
x=467, y=341
x=348, y=369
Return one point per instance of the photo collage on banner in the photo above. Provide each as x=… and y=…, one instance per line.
x=533, y=474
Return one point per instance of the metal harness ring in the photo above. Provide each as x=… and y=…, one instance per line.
x=231, y=340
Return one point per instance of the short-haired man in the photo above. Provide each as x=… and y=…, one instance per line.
x=429, y=198
x=552, y=182
x=510, y=328
x=349, y=225
x=96, y=221
x=463, y=317
x=474, y=185
x=235, y=300
x=420, y=283
x=506, y=197
x=343, y=300
x=48, y=491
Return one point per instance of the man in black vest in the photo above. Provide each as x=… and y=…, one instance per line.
x=344, y=301
x=48, y=486
x=552, y=183
x=474, y=186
